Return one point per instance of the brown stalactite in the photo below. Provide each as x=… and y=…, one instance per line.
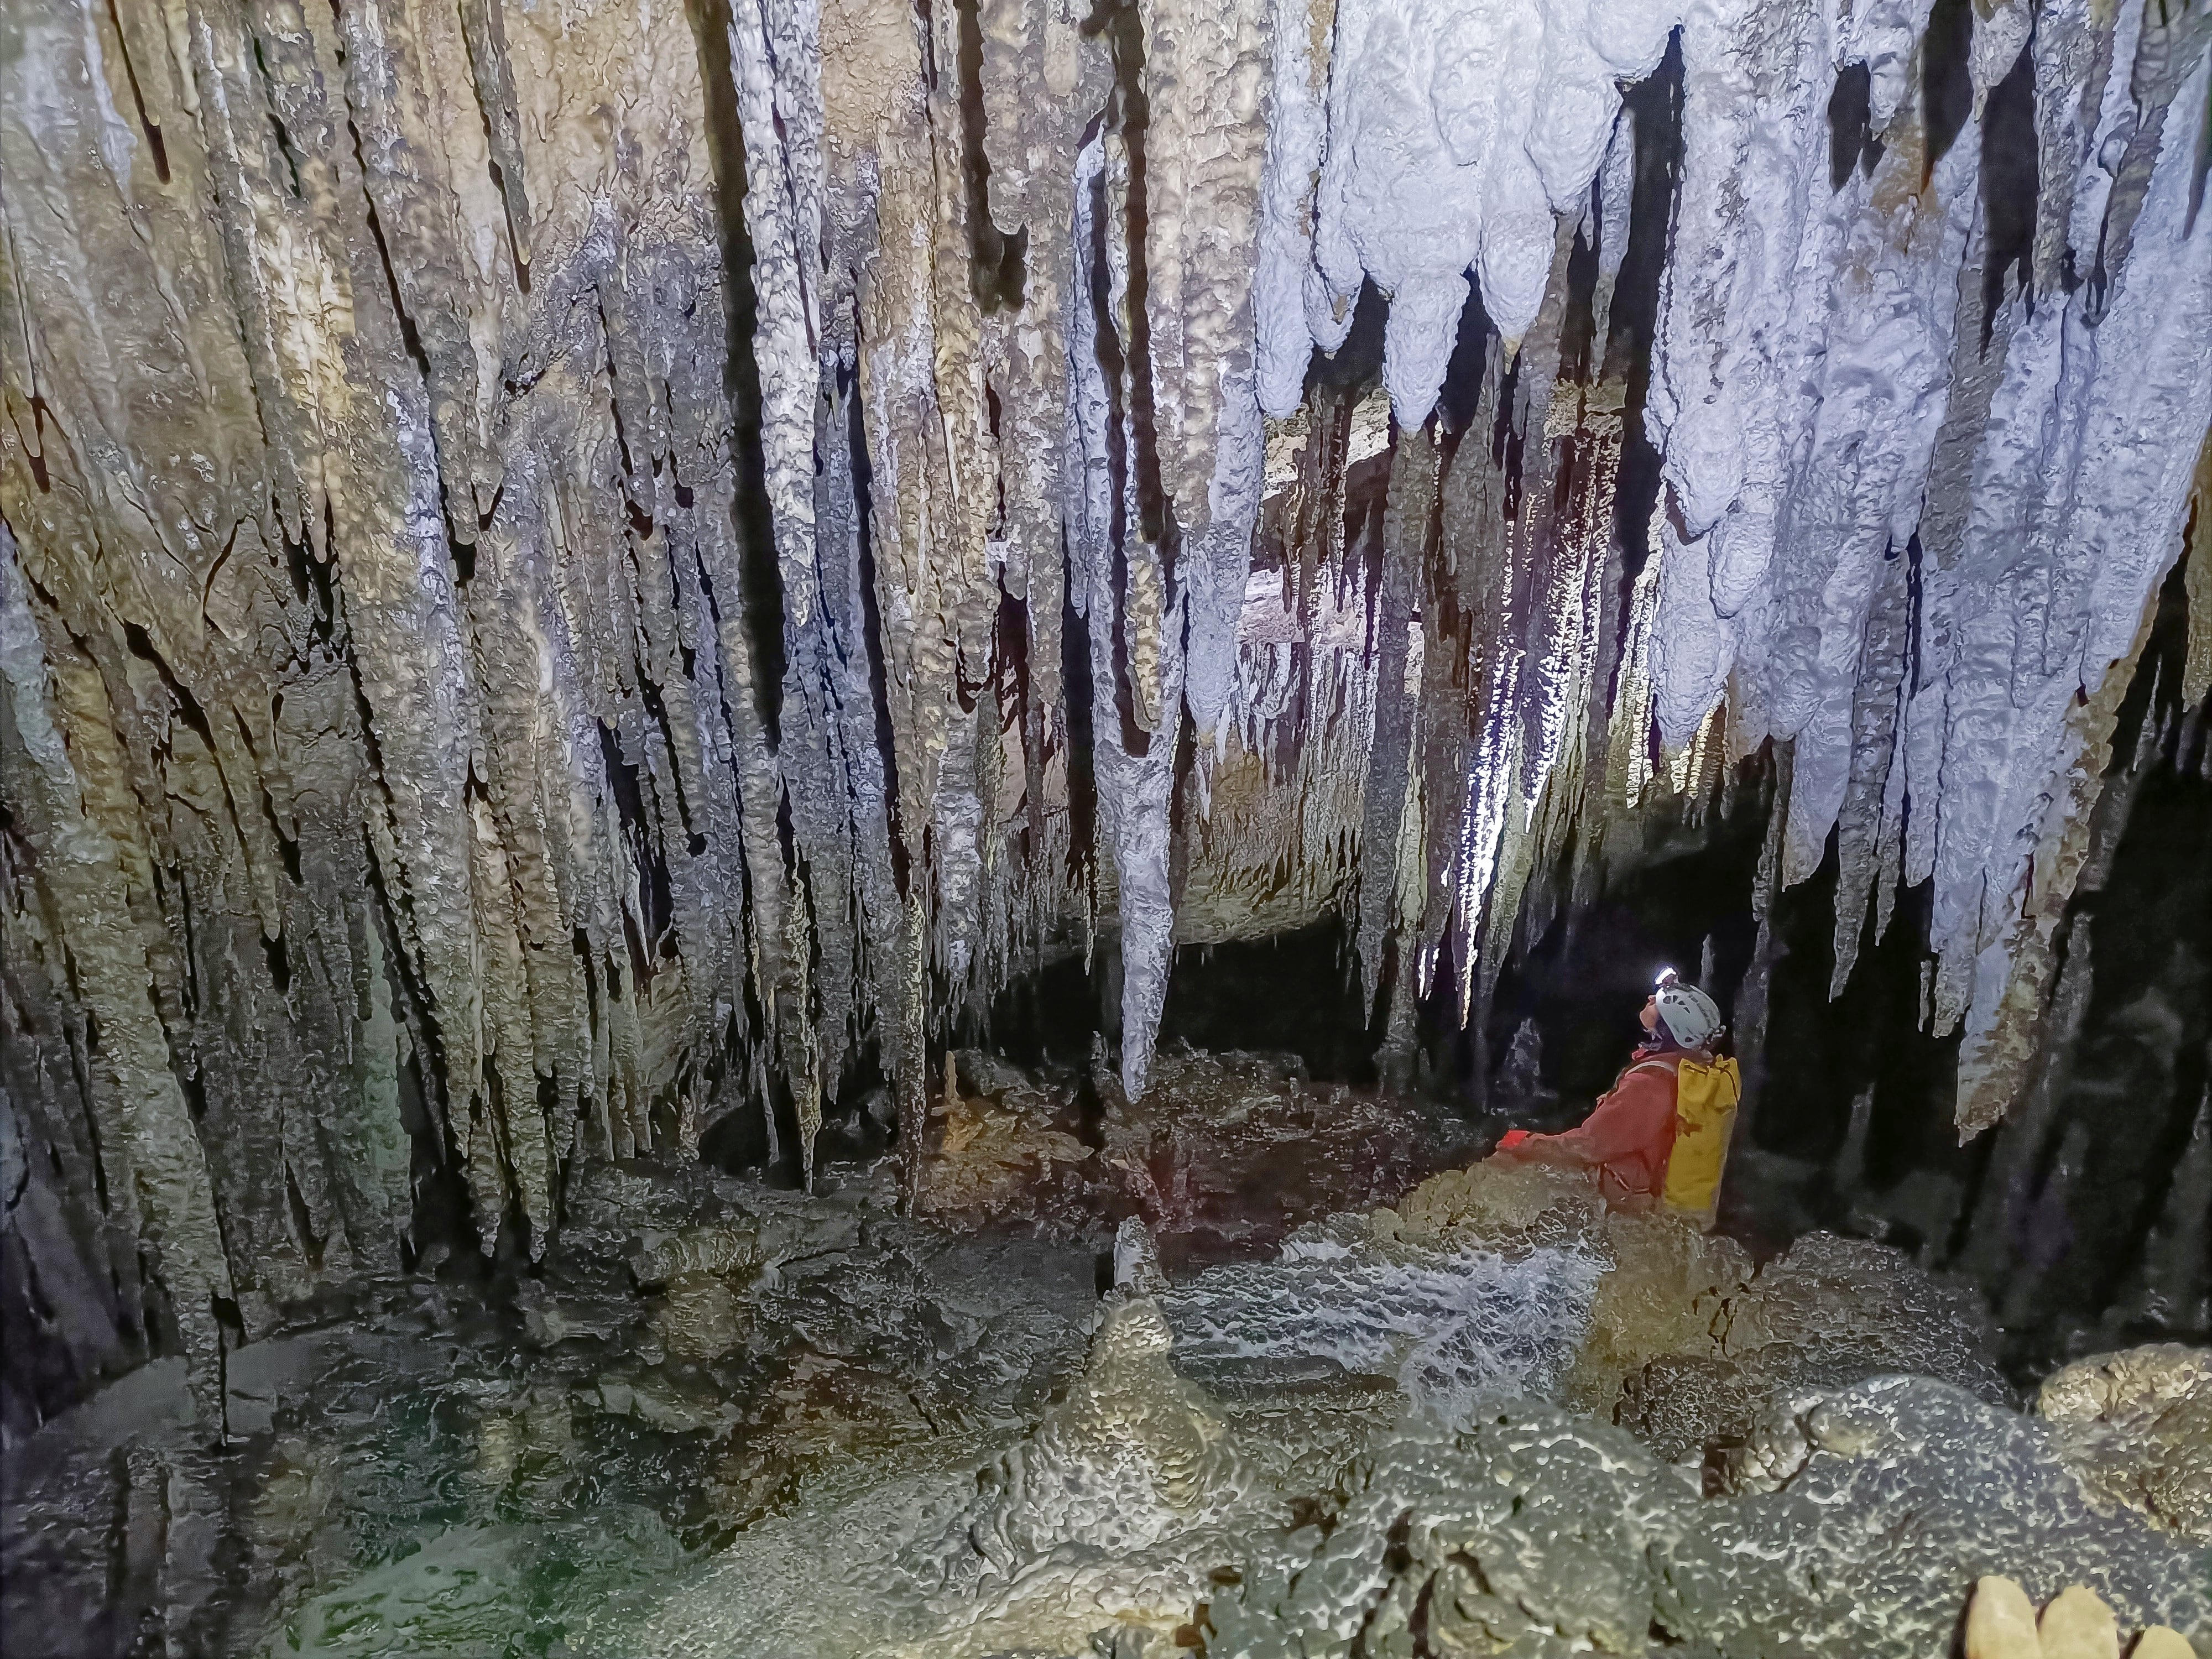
x=538, y=541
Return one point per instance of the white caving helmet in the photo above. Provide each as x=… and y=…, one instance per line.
x=1691, y=1017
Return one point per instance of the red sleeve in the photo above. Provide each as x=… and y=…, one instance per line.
x=1637, y=1118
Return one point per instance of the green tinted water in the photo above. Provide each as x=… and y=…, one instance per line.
x=486, y=1523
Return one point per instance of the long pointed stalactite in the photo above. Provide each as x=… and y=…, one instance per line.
x=571, y=572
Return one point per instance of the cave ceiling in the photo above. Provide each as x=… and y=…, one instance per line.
x=570, y=565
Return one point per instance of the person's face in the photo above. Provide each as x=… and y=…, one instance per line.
x=1649, y=1020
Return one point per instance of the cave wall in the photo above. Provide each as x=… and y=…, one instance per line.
x=2082, y=1216
x=571, y=569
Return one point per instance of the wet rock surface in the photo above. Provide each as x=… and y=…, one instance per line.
x=1859, y=1512
x=2137, y=1427
x=1538, y=1533
x=1846, y=1515
x=440, y=1477
x=1492, y=1417
x=1829, y=1312
x=1861, y=1528
x=694, y=1351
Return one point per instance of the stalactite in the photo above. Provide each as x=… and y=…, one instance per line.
x=1405, y=529
x=1298, y=42
x=1863, y=815
x=1204, y=149
x=152, y=1166
x=1276, y=842
x=775, y=54
x=1754, y=999
x=1458, y=134
x=1135, y=765
x=1992, y=678
x=1994, y=1063
x=2196, y=670
x=540, y=541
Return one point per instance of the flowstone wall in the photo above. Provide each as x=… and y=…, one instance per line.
x=568, y=569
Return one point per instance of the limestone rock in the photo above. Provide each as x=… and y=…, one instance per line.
x=1669, y=1288
x=699, y=1316
x=1829, y=1312
x=1939, y=1489
x=1533, y=1525
x=1496, y=1202
x=1137, y=1260
x=992, y=1162
x=1871, y=1297
x=1012, y=1146
x=1134, y=1452
x=2135, y=1385
x=1452, y=1327
x=1686, y=1344
x=2136, y=1427
x=1288, y=1517
x=1183, y=1154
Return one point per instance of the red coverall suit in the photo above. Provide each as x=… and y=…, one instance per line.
x=1629, y=1134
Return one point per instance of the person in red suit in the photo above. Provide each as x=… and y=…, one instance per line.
x=1629, y=1137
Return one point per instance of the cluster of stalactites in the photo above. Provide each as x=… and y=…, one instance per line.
x=1929, y=386
x=569, y=567
x=1919, y=508
x=1921, y=477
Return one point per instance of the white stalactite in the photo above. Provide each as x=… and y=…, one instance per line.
x=1298, y=124
x=380, y=575
x=1457, y=129
x=1806, y=438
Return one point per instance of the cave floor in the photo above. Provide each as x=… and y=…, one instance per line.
x=1123, y=1387
x=461, y=1473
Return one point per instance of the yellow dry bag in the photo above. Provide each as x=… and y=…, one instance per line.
x=1705, y=1099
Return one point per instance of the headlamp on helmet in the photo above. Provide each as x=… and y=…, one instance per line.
x=1691, y=1017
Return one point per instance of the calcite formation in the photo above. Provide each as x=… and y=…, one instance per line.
x=2138, y=1427
x=1144, y=1509
x=730, y=1417
x=569, y=568
x=1227, y=1153
x=1517, y=1278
